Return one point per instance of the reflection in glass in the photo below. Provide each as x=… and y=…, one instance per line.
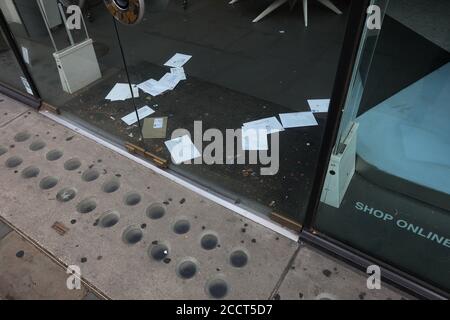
x=397, y=205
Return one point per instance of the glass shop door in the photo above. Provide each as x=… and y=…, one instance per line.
x=387, y=191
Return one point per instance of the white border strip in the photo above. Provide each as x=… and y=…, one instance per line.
x=249, y=215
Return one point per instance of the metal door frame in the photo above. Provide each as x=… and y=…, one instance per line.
x=34, y=100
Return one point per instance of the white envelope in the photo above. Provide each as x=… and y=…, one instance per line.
x=152, y=87
x=142, y=112
x=254, y=139
x=182, y=149
x=169, y=80
x=179, y=72
x=298, y=119
x=271, y=125
x=319, y=105
x=121, y=91
x=178, y=60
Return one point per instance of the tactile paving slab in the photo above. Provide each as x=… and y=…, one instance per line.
x=134, y=233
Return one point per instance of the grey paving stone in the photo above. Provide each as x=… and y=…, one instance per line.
x=27, y=274
x=315, y=275
x=4, y=230
x=91, y=296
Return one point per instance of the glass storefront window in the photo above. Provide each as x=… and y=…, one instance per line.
x=395, y=205
x=239, y=72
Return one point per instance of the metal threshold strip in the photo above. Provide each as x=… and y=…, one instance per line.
x=166, y=173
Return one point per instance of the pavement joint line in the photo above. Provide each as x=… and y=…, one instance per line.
x=61, y=264
x=183, y=182
x=3, y=125
x=285, y=271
